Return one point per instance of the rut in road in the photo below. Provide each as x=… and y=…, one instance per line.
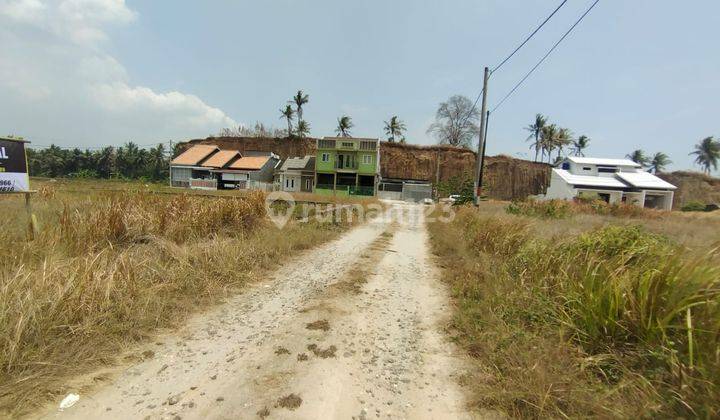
x=351, y=329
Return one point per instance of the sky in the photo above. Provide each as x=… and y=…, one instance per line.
x=639, y=74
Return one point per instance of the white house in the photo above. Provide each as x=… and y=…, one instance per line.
x=613, y=180
x=296, y=174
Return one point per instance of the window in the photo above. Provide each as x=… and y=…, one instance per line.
x=308, y=184
x=287, y=183
x=326, y=144
x=367, y=160
x=348, y=144
x=367, y=145
x=325, y=157
x=587, y=168
x=292, y=183
x=607, y=169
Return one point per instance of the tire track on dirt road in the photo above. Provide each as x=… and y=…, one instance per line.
x=351, y=329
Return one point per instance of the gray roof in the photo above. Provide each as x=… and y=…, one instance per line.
x=306, y=163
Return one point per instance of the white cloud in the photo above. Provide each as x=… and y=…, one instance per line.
x=173, y=107
x=54, y=64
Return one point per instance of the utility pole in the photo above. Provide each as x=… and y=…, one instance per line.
x=482, y=154
x=481, y=143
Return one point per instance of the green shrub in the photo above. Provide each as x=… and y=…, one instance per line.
x=552, y=209
x=693, y=206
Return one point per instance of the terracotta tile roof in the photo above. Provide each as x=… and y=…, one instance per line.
x=249, y=162
x=194, y=155
x=221, y=158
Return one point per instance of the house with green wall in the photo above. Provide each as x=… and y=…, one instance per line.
x=347, y=166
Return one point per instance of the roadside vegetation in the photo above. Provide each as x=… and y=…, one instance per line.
x=107, y=269
x=588, y=315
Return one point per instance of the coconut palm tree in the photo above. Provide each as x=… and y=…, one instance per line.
x=659, y=161
x=302, y=129
x=288, y=113
x=535, y=130
x=548, y=140
x=639, y=157
x=393, y=128
x=299, y=100
x=344, y=126
x=564, y=138
x=707, y=154
x=579, y=145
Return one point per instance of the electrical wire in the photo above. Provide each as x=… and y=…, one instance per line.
x=529, y=37
x=477, y=99
x=544, y=57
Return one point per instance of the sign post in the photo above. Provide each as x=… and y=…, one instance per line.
x=14, y=174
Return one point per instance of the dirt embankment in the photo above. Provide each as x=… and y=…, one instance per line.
x=504, y=177
x=693, y=186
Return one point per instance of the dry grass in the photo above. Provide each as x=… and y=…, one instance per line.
x=290, y=401
x=586, y=316
x=107, y=269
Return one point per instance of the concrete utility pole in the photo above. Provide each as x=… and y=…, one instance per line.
x=481, y=143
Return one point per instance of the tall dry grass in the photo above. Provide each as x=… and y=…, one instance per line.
x=616, y=321
x=107, y=270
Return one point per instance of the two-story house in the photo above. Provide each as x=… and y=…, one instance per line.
x=347, y=166
x=612, y=180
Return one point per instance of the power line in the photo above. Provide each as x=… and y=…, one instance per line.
x=529, y=37
x=547, y=19
x=544, y=57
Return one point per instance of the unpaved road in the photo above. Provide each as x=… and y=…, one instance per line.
x=351, y=329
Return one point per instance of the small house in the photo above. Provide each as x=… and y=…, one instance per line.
x=612, y=180
x=207, y=167
x=296, y=174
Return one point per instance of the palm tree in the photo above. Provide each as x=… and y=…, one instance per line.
x=344, y=126
x=302, y=129
x=639, y=157
x=299, y=100
x=707, y=154
x=535, y=130
x=548, y=140
x=288, y=113
x=659, y=162
x=393, y=128
x=579, y=145
x=564, y=138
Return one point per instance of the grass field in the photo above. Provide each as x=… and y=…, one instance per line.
x=113, y=262
x=586, y=315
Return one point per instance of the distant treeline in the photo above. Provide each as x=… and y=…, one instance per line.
x=128, y=161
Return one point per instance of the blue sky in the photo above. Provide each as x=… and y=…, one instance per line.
x=635, y=74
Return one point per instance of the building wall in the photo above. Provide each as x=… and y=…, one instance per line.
x=266, y=173
x=559, y=189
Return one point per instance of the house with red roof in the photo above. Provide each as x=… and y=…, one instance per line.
x=208, y=167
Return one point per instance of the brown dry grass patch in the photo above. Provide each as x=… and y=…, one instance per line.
x=322, y=353
x=321, y=324
x=108, y=269
x=290, y=401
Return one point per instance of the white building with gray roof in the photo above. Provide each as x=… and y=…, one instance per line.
x=612, y=180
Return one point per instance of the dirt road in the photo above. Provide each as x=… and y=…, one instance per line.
x=352, y=329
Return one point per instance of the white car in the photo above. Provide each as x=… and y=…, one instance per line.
x=427, y=201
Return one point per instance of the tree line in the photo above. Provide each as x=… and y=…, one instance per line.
x=126, y=162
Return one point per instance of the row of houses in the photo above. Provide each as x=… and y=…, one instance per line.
x=341, y=166
x=351, y=166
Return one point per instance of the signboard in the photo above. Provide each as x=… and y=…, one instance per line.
x=13, y=166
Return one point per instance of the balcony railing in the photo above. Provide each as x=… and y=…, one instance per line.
x=353, y=166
